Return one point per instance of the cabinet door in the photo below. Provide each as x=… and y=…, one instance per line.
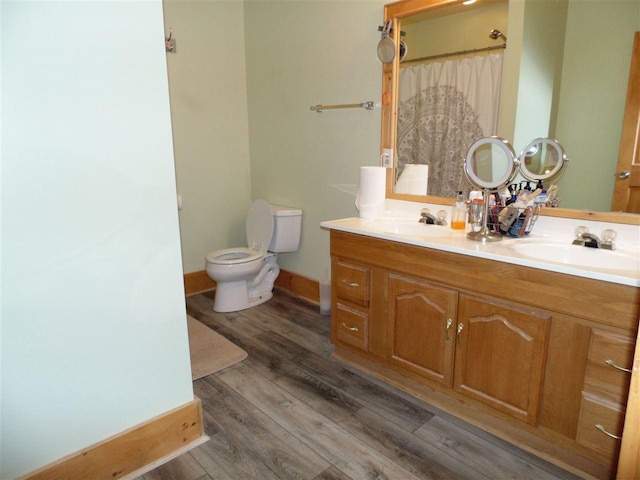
x=422, y=327
x=500, y=356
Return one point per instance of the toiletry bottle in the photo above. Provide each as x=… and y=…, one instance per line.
x=459, y=213
x=542, y=198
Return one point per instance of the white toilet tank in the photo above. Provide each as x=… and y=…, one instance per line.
x=287, y=224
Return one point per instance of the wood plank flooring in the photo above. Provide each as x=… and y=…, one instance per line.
x=290, y=411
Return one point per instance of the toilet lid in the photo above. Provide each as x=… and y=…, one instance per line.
x=259, y=225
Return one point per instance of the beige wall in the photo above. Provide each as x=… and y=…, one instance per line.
x=542, y=30
x=595, y=73
x=457, y=32
x=301, y=54
x=228, y=100
x=298, y=54
x=208, y=90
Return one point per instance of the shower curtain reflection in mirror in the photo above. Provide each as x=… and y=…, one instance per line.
x=443, y=107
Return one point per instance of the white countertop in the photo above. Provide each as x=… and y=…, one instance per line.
x=547, y=231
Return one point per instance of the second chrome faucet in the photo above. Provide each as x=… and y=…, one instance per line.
x=587, y=239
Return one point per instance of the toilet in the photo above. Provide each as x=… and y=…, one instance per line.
x=245, y=276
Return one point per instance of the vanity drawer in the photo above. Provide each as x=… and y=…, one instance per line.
x=609, y=353
x=352, y=326
x=601, y=411
x=352, y=283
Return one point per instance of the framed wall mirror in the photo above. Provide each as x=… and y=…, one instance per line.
x=532, y=103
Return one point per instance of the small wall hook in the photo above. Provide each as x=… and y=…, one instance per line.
x=170, y=43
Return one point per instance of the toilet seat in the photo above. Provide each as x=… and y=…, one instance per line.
x=259, y=233
x=234, y=256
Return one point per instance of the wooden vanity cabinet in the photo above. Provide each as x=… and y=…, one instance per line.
x=517, y=351
x=476, y=346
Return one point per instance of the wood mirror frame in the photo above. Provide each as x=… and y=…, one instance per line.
x=395, y=12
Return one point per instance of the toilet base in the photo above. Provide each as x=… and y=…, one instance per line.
x=240, y=295
x=231, y=296
x=234, y=296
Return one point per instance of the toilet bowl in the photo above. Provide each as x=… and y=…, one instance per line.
x=245, y=276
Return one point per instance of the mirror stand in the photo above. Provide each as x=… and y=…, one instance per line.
x=478, y=218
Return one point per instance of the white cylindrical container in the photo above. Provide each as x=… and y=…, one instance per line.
x=372, y=192
x=325, y=297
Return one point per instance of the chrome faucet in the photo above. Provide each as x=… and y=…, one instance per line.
x=590, y=240
x=429, y=218
x=586, y=239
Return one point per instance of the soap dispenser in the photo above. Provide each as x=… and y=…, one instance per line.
x=542, y=198
x=459, y=213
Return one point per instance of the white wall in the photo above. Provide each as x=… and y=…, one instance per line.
x=301, y=54
x=93, y=333
x=208, y=92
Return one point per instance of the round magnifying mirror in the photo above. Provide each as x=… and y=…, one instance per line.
x=386, y=50
x=403, y=50
x=542, y=159
x=490, y=163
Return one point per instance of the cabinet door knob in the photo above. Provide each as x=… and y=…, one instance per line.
x=603, y=430
x=350, y=284
x=449, y=324
x=613, y=364
x=459, y=329
x=351, y=329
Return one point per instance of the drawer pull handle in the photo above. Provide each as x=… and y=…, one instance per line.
x=613, y=364
x=603, y=430
x=350, y=284
x=449, y=324
x=459, y=329
x=351, y=329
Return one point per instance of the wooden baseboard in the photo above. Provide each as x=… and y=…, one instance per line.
x=197, y=282
x=307, y=288
x=304, y=287
x=167, y=458
x=131, y=450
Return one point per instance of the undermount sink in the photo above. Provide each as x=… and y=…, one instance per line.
x=577, y=256
x=409, y=228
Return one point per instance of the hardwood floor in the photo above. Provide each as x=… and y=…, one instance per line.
x=290, y=411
